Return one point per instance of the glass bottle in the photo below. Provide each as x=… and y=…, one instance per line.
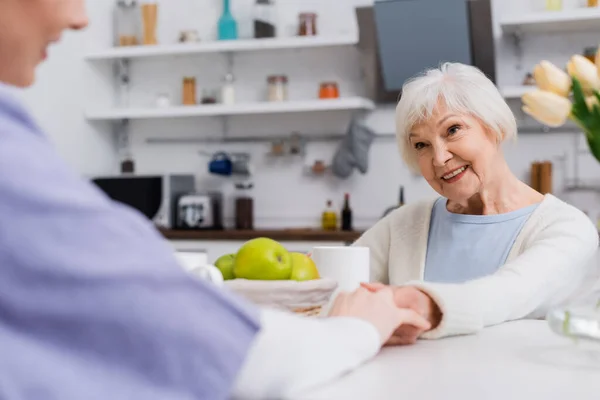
x=553, y=5
x=329, y=218
x=127, y=23
x=228, y=89
x=227, y=25
x=265, y=19
x=347, y=214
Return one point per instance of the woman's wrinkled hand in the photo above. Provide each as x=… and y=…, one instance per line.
x=407, y=297
x=379, y=309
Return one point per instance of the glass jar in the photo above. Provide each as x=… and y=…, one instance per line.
x=127, y=23
x=329, y=90
x=265, y=19
x=307, y=24
x=189, y=91
x=278, y=88
x=150, y=21
x=592, y=3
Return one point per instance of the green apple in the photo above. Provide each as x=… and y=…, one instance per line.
x=225, y=264
x=303, y=268
x=262, y=259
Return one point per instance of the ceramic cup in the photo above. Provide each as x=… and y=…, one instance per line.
x=196, y=263
x=348, y=266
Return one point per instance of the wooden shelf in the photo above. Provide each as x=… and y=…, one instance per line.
x=342, y=104
x=579, y=19
x=225, y=46
x=309, y=235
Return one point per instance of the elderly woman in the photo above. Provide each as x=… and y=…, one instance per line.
x=490, y=249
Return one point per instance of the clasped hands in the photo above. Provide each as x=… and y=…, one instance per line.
x=400, y=314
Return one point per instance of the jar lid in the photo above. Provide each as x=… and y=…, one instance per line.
x=277, y=78
x=329, y=83
x=308, y=15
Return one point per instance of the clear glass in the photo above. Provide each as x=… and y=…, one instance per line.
x=127, y=23
x=580, y=320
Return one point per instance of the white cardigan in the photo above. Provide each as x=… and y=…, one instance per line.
x=547, y=263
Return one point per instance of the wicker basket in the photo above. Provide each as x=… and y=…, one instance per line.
x=306, y=298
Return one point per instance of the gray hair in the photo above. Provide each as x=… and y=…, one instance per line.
x=464, y=90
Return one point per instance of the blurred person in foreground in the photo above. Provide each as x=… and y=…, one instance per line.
x=93, y=304
x=490, y=248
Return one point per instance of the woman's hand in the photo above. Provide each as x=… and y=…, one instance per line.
x=414, y=299
x=378, y=308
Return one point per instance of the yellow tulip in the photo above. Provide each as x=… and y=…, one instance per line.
x=585, y=71
x=552, y=79
x=591, y=101
x=546, y=107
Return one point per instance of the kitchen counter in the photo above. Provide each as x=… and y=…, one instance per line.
x=311, y=235
x=521, y=360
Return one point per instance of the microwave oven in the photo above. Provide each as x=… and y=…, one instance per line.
x=155, y=196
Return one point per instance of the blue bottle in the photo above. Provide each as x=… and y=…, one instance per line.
x=227, y=25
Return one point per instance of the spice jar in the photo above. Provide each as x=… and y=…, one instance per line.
x=189, y=91
x=127, y=14
x=278, y=88
x=329, y=90
x=307, y=24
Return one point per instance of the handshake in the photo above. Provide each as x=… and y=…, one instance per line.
x=400, y=314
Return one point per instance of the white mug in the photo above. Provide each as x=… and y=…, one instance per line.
x=348, y=266
x=196, y=263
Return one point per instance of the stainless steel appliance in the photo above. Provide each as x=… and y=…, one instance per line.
x=155, y=196
x=200, y=211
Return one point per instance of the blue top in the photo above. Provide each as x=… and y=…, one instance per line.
x=93, y=304
x=466, y=247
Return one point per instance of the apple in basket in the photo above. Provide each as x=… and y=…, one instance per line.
x=266, y=259
x=268, y=275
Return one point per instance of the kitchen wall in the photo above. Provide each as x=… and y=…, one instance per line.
x=285, y=195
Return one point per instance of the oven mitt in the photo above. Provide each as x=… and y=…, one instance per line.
x=361, y=138
x=353, y=151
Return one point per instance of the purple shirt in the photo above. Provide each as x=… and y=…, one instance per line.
x=93, y=304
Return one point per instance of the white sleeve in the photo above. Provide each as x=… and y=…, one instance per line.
x=545, y=275
x=292, y=353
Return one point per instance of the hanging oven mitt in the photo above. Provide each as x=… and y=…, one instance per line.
x=353, y=151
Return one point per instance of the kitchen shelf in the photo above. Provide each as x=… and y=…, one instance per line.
x=212, y=110
x=580, y=19
x=515, y=92
x=313, y=235
x=225, y=46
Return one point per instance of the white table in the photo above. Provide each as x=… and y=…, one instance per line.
x=512, y=361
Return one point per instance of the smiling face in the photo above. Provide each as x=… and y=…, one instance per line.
x=456, y=154
x=27, y=28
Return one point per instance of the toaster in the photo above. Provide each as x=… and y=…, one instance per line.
x=200, y=211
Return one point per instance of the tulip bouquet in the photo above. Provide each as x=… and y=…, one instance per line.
x=573, y=95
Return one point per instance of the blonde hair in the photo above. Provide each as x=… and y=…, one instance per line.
x=463, y=89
